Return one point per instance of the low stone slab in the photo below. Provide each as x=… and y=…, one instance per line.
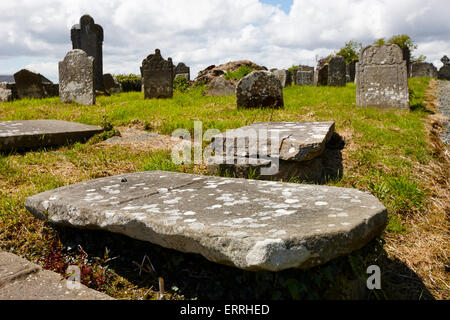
x=24, y=280
x=250, y=224
x=26, y=134
x=296, y=141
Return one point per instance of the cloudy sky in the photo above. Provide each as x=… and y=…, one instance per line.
x=276, y=34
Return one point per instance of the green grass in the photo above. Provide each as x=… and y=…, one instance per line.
x=383, y=147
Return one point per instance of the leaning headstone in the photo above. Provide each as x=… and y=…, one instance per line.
x=157, y=76
x=336, y=71
x=76, y=78
x=249, y=224
x=88, y=37
x=28, y=134
x=29, y=84
x=273, y=151
x=423, y=69
x=181, y=70
x=284, y=76
x=304, y=78
x=382, y=78
x=259, y=89
x=322, y=76
x=220, y=87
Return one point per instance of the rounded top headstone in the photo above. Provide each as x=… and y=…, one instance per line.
x=389, y=53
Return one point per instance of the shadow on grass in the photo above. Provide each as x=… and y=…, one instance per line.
x=194, y=277
x=420, y=107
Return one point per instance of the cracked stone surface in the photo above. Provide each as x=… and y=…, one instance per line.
x=292, y=141
x=24, y=280
x=249, y=224
x=27, y=134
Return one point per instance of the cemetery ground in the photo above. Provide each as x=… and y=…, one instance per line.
x=396, y=155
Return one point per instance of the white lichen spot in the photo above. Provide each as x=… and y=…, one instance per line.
x=321, y=203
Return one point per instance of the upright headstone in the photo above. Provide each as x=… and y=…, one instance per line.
x=336, y=71
x=157, y=76
x=88, y=37
x=259, y=89
x=284, y=76
x=322, y=76
x=6, y=92
x=29, y=84
x=423, y=69
x=111, y=84
x=76, y=78
x=351, y=70
x=181, y=70
x=407, y=57
x=304, y=78
x=444, y=71
x=382, y=78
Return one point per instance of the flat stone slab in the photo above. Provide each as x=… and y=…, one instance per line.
x=250, y=224
x=294, y=141
x=24, y=280
x=26, y=134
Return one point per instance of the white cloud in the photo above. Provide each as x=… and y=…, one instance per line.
x=205, y=32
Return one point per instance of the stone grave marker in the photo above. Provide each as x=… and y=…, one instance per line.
x=77, y=78
x=88, y=36
x=259, y=89
x=304, y=78
x=29, y=84
x=181, y=70
x=249, y=224
x=382, y=78
x=423, y=69
x=111, y=84
x=157, y=76
x=336, y=71
x=322, y=75
x=284, y=76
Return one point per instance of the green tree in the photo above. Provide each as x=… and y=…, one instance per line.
x=350, y=51
x=380, y=41
x=403, y=40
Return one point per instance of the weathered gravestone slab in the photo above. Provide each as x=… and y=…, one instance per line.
x=322, y=76
x=28, y=134
x=88, y=36
x=181, y=70
x=77, y=78
x=250, y=224
x=337, y=71
x=284, y=76
x=289, y=149
x=382, y=78
x=29, y=84
x=304, y=78
x=259, y=89
x=24, y=280
x=6, y=94
x=220, y=87
x=157, y=76
x=423, y=69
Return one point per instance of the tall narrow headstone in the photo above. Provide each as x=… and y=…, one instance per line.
x=29, y=84
x=351, y=70
x=322, y=76
x=336, y=71
x=382, y=78
x=88, y=37
x=157, y=76
x=284, y=76
x=76, y=78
